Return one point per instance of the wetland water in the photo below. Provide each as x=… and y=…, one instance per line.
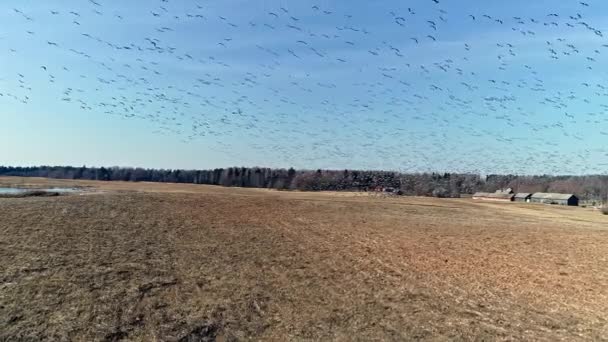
x=17, y=191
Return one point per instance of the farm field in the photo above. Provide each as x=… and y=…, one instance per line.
x=178, y=262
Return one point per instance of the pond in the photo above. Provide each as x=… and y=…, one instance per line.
x=17, y=191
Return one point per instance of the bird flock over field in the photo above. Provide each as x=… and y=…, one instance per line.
x=425, y=85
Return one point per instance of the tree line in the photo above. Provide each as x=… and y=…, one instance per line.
x=592, y=188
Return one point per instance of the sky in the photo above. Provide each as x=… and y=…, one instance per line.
x=447, y=86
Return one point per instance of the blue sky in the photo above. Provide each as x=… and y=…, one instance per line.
x=327, y=84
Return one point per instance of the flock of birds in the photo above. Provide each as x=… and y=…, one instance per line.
x=419, y=86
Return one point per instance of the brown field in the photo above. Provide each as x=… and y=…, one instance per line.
x=156, y=262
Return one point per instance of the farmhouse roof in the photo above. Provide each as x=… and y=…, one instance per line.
x=523, y=195
x=552, y=196
x=493, y=195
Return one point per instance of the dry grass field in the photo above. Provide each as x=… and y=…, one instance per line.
x=168, y=262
